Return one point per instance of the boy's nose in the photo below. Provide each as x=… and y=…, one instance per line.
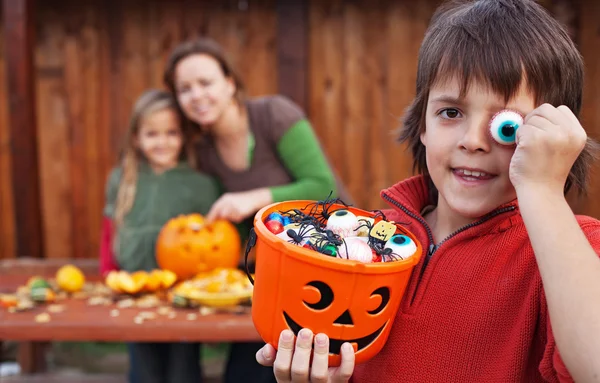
x=476, y=137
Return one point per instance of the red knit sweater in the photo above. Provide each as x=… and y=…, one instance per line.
x=477, y=311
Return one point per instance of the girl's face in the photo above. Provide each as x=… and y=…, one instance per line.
x=160, y=139
x=469, y=168
x=203, y=90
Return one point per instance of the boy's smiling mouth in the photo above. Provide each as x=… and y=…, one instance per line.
x=472, y=175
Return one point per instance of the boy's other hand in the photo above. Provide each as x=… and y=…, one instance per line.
x=548, y=143
x=291, y=363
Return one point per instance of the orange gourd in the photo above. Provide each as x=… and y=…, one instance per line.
x=350, y=301
x=186, y=245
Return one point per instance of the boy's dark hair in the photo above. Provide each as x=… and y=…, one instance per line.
x=499, y=43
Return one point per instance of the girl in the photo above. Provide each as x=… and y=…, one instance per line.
x=509, y=289
x=262, y=150
x=154, y=182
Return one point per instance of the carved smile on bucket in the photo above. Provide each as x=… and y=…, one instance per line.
x=336, y=344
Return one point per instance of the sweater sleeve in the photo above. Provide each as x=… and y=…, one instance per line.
x=552, y=367
x=301, y=153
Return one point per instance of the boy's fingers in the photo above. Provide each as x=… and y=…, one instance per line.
x=347, y=365
x=283, y=358
x=301, y=360
x=266, y=355
x=320, y=363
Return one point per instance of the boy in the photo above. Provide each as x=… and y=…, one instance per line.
x=511, y=276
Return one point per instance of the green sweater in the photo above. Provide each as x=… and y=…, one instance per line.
x=158, y=198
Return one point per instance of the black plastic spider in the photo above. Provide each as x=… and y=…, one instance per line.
x=298, y=236
x=378, y=213
x=387, y=254
x=298, y=216
x=322, y=210
x=326, y=242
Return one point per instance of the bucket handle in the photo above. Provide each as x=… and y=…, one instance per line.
x=249, y=245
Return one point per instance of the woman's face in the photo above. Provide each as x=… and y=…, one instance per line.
x=202, y=89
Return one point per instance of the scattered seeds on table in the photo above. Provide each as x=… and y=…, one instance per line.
x=42, y=318
x=56, y=308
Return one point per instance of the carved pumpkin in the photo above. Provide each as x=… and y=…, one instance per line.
x=349, y=301
x=188, y=246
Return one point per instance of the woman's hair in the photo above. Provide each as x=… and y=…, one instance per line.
x=208, y=47
x=149, y=102
x=500, y=43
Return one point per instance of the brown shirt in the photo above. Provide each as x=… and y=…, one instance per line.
x=269, y=119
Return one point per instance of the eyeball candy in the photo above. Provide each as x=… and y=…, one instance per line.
x=504, y=125
x=343, y=223
x=354, y=248
x=401, y=245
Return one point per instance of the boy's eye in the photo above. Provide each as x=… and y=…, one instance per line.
x=450, y=113
x=504, y=125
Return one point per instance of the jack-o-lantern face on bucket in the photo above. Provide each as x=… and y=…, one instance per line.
x=349, y=301
x=355, y=308
x=325, y=299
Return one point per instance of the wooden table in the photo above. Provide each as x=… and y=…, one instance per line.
x=82, y=322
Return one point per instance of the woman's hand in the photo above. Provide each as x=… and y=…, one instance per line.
x=292, y=363
x=236, y=207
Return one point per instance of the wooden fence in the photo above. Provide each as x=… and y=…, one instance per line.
x=351, y=64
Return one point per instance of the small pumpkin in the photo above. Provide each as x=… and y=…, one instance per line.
x=70, y=278
x=218, y=288
x=140, y=281
x=186, y=245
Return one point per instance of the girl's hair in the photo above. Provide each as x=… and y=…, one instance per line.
x=208, y=47
x=501, y=43
x=149, y=102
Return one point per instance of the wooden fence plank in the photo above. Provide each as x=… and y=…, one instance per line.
x=18, y=45
x=7, y=213
x=292, y=40
x=356, y=119
x=589, y=38
x=326, y=90
x=54, y=135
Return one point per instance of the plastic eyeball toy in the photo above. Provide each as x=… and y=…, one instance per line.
x=401, y=246
x=504, y=125
x=343, y=223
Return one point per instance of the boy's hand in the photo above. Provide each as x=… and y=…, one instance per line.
x=548, y=143
x=292, y=363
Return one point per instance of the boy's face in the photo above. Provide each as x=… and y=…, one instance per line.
x=469, y=169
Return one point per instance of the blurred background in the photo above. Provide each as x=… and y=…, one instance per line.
x=71, y=69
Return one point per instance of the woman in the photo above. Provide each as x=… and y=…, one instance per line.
x=262, y=150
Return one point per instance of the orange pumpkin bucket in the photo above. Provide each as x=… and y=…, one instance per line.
x=350, y=301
